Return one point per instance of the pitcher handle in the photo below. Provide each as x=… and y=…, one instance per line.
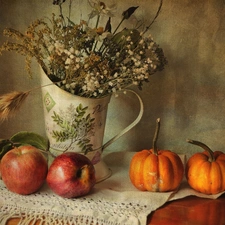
x=134, y=123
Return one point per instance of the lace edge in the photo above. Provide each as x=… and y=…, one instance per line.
x=27, y=218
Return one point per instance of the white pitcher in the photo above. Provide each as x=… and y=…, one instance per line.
x=77, y=124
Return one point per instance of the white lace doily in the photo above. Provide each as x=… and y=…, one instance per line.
x=114, y=201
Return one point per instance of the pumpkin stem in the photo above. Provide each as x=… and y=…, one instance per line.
x=155, y=138
x=205, y=147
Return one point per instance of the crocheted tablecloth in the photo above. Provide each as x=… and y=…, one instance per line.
x=114, y=201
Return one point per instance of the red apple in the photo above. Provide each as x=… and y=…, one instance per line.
x=71, y=175
x=24, y=169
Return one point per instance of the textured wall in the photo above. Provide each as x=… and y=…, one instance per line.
x=188, y=95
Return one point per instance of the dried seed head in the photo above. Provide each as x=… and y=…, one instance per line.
x=10, y=103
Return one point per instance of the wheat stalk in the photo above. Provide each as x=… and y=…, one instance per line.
x=11, y=102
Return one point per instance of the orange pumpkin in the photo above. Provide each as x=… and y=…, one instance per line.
x=156, y=170
x=205, y=172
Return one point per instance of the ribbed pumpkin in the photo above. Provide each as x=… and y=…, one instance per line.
x=156, y=170
x=205, y=172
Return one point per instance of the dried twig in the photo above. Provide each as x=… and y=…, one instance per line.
x=157, y=14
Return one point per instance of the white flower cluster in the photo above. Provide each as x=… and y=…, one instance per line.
x=96, y=75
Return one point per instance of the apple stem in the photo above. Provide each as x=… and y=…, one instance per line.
x=205, y=147
x=47, y=152
x=155, y=138
x=16, y=144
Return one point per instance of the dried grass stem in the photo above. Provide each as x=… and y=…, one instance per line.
x=11, y=102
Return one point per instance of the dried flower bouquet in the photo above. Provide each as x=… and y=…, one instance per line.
x=85, y=59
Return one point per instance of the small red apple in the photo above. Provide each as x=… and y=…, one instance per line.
x=71, y=175
x=24, y=169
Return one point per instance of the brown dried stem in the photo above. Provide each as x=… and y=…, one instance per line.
x=11, y=102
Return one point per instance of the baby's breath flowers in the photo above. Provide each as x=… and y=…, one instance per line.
x=90, y=61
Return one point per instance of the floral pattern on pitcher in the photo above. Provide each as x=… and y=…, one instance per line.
x=74, y=125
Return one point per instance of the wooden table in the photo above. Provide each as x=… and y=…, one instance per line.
x=188, y=211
